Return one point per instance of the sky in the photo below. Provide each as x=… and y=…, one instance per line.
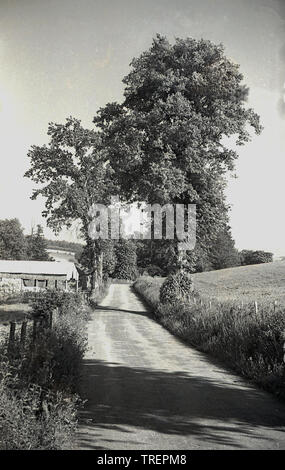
x=65, y=57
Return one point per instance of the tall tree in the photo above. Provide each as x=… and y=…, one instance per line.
x=223, y=253
x=12, y=240
x=166, y=141
x=37, y=246
x=109, y=257
x=73, y=174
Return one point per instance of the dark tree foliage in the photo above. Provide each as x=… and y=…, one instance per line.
x=223, y=253
x=37, y=246
x=12, y=240
x=202, y=259
x=157, y=257
x=255, y=257
x=126, y=260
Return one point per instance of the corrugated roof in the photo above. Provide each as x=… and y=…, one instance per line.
x=39, y=267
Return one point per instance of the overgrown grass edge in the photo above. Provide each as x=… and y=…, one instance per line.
x=249, y=343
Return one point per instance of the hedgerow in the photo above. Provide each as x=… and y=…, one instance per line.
x=39, y=382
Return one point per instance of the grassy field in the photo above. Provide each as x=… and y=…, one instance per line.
x=260, y=282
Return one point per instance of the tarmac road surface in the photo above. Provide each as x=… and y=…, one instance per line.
x=147, y=390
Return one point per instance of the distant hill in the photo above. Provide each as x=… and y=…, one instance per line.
x=61, y=255
x=64, y=251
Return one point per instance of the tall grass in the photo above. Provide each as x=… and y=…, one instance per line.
x=148, y=287
x=24, y=425
x=248, y=341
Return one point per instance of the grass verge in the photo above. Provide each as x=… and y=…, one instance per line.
x=249, y=342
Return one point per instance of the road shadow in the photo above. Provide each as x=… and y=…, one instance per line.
x=122, y=310
x=174, y=404
x=147, y=312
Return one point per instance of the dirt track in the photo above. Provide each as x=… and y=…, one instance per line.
x=148, y=390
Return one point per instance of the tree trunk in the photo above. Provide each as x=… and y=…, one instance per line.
x=93, y=266
x=100, y=267
x=93, y=282
x=96, y=261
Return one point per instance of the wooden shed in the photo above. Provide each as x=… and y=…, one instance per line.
x=38, y=275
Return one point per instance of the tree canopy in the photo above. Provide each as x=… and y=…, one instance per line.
x=73, y=174
x=12, y=240
x=167, y=141
x=223, y=253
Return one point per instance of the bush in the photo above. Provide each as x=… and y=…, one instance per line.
x=153, y=270
x=248, y=257
x=44, y=302
x=176, y=287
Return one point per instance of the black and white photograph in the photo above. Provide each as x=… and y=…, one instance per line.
x=142, y=229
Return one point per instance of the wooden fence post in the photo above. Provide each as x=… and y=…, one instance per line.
x=35, y=329
x=275, y=305
x=50, y=319
x=23, y=332
x=256, y=307
x=12, y=335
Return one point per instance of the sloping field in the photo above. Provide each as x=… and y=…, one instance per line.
x=258, y=282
